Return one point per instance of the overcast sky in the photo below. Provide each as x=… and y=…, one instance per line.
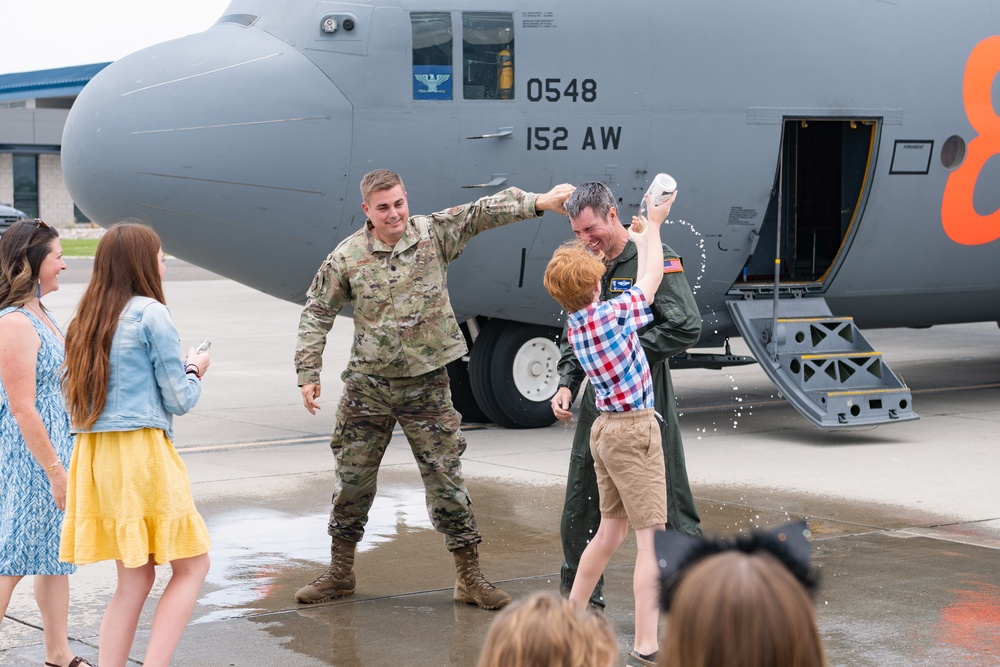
x=44, y=34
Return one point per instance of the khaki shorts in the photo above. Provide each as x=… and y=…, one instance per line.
x=628, y=460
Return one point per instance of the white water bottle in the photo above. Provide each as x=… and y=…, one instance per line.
x=662, y=187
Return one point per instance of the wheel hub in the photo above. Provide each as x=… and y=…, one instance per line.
x=535, y=369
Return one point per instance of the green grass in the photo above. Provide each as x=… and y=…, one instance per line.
x=78, y=247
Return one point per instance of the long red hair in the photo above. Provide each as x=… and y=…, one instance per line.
x=125, y=265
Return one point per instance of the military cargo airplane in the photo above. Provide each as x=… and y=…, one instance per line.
x=835, y=161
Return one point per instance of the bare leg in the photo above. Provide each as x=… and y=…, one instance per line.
x=122, y=615
x=7, y=584
x=646, y=588
x=52, y=596
x=610, y=535
x=174, y=608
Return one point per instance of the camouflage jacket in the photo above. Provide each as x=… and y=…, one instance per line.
x=403, y=322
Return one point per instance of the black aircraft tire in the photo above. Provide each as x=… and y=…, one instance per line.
x=528, y=355
x=461, y=393
x=480, y=371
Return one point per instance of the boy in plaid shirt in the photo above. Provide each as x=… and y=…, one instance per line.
x=625, y=440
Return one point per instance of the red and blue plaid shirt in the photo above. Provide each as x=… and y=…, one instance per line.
x=605, y=338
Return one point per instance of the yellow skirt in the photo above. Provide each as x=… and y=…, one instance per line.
x=128, y=499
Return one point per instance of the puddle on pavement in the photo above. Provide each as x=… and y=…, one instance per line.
x=883, y=600
x=915, y=601
x=262, y=554
x=251, y=546
x=728, y=510
x=972, y=622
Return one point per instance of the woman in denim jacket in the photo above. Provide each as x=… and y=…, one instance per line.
x=129, y=498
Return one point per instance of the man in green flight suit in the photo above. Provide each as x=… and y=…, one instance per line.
x=676, y=326
x=393, y=271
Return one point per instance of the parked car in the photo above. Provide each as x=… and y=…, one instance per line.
x=9, y=215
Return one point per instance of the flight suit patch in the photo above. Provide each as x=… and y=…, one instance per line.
x=620, y=285
x=672, y=266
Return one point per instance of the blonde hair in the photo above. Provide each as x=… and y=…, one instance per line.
x=546, y=630
x=742, y=610
x=378, y=180
x=571, y=276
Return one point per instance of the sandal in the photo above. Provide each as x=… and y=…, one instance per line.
x=635, y=659
x=75, y=662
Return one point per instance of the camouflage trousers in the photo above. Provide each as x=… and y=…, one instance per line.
x=368, y=412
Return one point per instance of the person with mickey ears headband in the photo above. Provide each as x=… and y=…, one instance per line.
x=741, y=602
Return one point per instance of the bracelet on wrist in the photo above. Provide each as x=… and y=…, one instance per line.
x=193, y=370
x=52, y=466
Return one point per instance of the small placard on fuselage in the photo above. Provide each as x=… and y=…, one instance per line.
x=911, y=157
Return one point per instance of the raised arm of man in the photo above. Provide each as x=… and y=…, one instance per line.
x=454, y=228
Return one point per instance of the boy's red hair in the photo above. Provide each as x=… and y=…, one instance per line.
x=572, y=275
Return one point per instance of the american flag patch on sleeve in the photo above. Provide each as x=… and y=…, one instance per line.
x=672, y=266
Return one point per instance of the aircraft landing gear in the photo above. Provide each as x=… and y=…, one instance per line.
x=461, y=393
x=513, y=373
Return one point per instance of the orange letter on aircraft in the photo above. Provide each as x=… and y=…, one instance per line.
x=961, y=222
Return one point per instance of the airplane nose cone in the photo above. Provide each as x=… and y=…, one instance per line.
x=233, y=145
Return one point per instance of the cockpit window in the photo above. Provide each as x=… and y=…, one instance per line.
x=432, y=45
x=488, y=55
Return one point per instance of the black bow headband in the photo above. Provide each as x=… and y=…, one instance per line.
x=677, y=552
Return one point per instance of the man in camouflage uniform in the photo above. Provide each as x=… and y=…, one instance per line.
x=393, y=272
x=676, y=326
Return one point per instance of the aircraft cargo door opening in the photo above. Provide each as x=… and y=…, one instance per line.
x=820, y=187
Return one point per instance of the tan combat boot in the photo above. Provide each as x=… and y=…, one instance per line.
x=471, y=586
x=338, y=581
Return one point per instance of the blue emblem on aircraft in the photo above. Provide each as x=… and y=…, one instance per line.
x=432, y=82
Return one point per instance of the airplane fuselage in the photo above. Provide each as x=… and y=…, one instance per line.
x=834, y=130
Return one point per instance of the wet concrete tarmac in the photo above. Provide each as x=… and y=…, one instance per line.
x=906, y=517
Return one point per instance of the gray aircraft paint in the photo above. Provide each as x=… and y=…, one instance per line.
x=244, y=145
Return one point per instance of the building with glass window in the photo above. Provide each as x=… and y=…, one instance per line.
x=33, y=111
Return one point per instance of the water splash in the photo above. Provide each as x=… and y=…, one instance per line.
x=696, y=285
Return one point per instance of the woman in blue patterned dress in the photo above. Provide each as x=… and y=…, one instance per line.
x=35, y=443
